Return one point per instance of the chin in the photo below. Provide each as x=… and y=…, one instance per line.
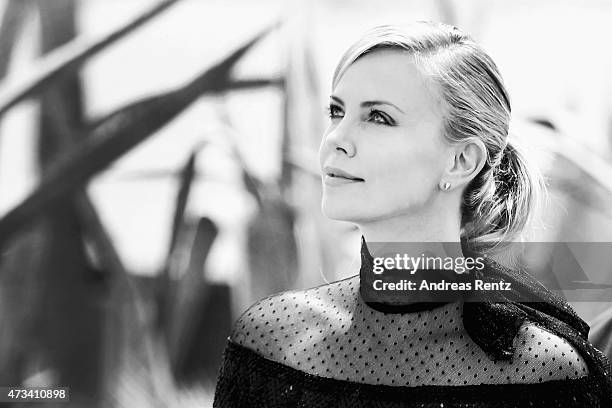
x=338, y=211
x=344, y=211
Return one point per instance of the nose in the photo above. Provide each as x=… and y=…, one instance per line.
x=340, y=141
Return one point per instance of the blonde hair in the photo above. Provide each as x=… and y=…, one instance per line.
x=499, y=202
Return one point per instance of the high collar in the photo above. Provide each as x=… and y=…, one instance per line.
x=409, y=300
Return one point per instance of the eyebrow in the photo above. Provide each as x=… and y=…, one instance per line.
x=366, y=104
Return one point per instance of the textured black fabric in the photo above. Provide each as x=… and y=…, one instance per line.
x=492, y=320
x=249, y=380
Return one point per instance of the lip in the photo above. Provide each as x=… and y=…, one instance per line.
x=334, y=176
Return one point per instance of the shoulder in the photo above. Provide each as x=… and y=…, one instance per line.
x=543, y=356
x=326, y=330
x=297, y=316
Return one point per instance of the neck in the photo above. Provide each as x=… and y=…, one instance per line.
x=436, y=232
x=435, y=225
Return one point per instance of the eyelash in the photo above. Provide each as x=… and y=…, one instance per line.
x=329, y=109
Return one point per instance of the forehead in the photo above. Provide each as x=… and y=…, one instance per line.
x=390, y=75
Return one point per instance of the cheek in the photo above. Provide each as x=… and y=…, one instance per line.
x=411, y=169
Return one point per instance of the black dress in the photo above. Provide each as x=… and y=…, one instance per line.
x=250, y=379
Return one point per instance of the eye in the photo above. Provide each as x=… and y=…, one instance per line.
x=334, y=111
x=380, y=117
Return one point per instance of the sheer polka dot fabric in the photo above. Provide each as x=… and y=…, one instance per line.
x=330, y=332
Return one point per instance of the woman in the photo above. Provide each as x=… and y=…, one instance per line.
x=417, y=152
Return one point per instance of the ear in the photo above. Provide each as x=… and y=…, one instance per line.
x=468, y=159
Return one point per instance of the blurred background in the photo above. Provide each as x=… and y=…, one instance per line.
x=159, y=171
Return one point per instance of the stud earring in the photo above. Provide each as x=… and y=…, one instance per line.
x=447, y=185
